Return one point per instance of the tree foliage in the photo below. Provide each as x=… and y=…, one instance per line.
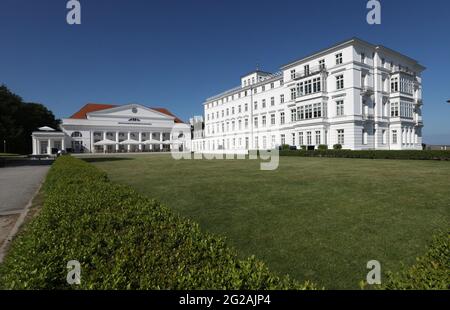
x=18, y=119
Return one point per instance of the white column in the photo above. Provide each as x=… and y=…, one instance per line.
x=160, y=139
x=129, y=138
x=63, y=144
x=49, y=147
x=140, y=141
x=104, y=138
x=34, y=145
x=150, y=138
x=92, y=141
x=117, y=141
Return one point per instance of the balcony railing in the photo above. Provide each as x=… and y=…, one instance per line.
x=309, y=72
x=367, y=117
x=366, y=90
x=419, y=102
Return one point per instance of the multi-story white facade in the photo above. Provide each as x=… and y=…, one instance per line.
x=356, y=94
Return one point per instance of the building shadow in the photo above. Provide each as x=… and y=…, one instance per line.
x=6, y=162
x=103, y=159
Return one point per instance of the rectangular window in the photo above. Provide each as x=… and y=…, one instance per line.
x=300, y=138
x=246, y=123
x=255, y=105
x=246, y=107
x=283, y=139
x=308, y=87
x=293, y=138
x=239, y=109
x=340, y=81
x=293, y=115
x=306, y=69
x=384, y=136
x=263, y=103
x=394, y=137
x=264, y=121
x=272, y=101
x=272, y=119
x=322, y=64
x=281, y=98
x=255, y=122
x=300, y=89
x=394, y=85
x=316, y=85
x=340, y=108
x=301, y=113
x=308, y=138
x=282, y=119
x=340, y=136
x=293, y=93
x=395, y=112
x=339, y=59
x=318, y=136
x=292, y=74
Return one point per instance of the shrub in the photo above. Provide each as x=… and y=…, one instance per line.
x=285, y=147
x=337, y=147
x=431, y=271
x=303, y=147
x=122, y=240
x=322, y=147
x=373, y=154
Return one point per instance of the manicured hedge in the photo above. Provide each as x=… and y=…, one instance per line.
x=123, y=240
x=375, y=154
x=431, y=271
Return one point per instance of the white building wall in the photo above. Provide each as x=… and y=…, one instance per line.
x=366, y=96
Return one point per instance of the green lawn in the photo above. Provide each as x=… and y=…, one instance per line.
x=313, y=218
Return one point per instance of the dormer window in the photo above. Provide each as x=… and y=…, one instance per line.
x=134, y=119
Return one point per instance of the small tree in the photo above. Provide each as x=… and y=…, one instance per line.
x=337, y=146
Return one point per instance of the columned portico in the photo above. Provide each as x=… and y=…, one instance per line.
x=47, y=140
x=106, y=128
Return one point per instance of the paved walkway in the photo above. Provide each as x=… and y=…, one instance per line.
x=18, y=185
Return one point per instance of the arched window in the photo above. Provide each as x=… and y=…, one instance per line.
x=76, y=134
x=134, y=119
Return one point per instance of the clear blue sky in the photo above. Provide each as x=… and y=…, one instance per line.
x=177, y=53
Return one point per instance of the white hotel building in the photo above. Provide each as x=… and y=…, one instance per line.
x=106, y=128
x=360, y=95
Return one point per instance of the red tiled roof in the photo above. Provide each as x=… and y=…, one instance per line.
x=92, y=107
x=167, y=112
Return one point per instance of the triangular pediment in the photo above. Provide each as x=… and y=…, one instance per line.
x=129, y=111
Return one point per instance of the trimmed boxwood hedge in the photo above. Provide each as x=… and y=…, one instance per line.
x=372, y=154
x=122, y=240
x=431, y=271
